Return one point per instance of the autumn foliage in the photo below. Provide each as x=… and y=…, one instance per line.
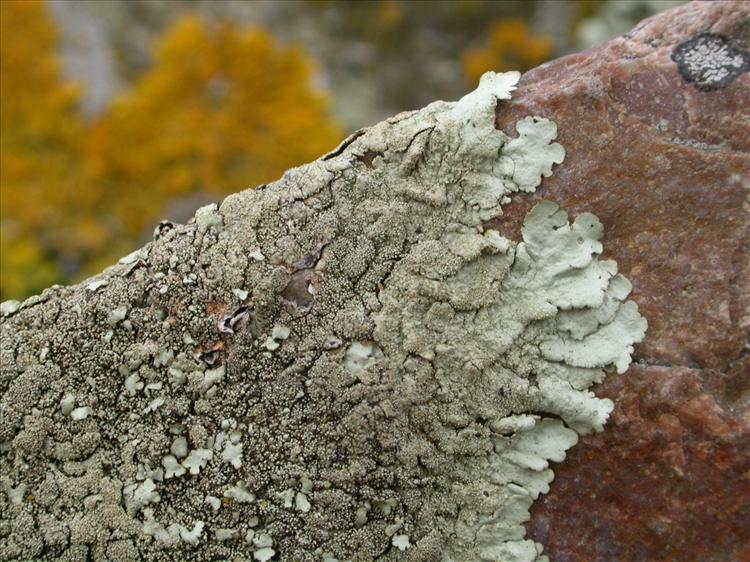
x=510, y=45
x=40, y=154
x=221, y=109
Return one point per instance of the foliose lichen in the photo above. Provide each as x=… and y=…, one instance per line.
x=342, y=365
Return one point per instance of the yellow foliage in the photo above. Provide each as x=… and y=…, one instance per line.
x=23, y=267
x=221, y=110
x=509, y=46
x=40, y=151
x=390, y=13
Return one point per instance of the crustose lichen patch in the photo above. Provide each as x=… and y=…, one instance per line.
x=710, y=61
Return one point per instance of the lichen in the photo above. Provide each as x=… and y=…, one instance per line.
x=342, y=365
x=709, y=61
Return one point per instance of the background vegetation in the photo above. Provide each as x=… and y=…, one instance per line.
x=117, y=114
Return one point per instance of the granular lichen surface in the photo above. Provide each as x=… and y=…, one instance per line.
x=343, y=365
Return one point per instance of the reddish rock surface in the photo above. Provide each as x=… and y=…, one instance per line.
x=660, y=151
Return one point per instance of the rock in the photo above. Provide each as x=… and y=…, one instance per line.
x=656, y=127
x=418, y=373
x=415, y=365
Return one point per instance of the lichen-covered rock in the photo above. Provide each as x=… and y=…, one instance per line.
x=656, y=128
x=343, y=365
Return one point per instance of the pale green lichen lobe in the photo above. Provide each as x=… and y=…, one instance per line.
x=343, y=365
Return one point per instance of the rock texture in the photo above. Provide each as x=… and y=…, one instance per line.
x=656, y=125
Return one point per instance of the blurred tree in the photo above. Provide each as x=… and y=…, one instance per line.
x=42, y=208
x=510, y=45
x=222, y=109
x=383, y=57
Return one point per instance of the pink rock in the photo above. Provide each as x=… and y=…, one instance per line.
x=656, y=125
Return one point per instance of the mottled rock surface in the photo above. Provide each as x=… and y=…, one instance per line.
x=656, y=125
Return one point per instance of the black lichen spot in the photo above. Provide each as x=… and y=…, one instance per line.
x=228, y=323
x=368, y=158
x=709, y=61
x=162, y=228
x=210, y=357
